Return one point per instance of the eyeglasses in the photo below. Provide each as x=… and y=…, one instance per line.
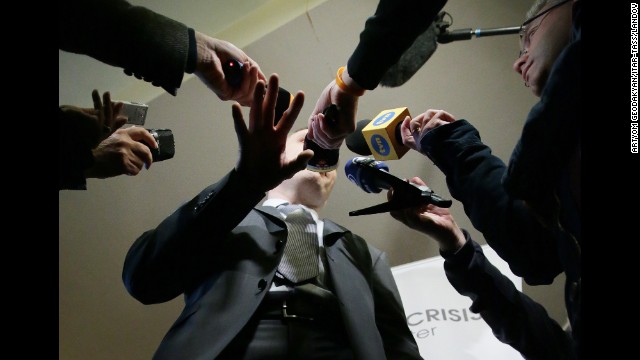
x=526, y=31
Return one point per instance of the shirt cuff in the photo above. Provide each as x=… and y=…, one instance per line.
x=192, y=58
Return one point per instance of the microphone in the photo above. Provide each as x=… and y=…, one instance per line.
x=412, y=59
x=380, y=137
x=372, y=176
x=445, y=36
x=426, y=44
x=356, y=142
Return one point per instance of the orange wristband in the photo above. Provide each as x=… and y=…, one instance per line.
x=344, y=86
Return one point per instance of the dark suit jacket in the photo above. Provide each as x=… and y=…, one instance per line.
x=222, y=253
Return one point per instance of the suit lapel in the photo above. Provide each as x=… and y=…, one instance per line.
x=350, y=267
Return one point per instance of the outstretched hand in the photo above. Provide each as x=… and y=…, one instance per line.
x=263, y=161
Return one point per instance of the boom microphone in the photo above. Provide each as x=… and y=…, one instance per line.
x=445, y=36
x=380, y=137
x=426, y=44
x=372, y=176
x=412, y=59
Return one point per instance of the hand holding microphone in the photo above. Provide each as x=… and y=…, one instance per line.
x=331, y=135
x=393, y=132
x=372, y=176
x=412, y=130
x=210, y=69
x=432, y=220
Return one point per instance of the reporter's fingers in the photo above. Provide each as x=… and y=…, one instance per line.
x=107, y=108
x=245, y=91
x=416, y=180
x=97, y=106
x=133, y=165
x=119, y=122
x=137, y=133
x=97, y=102
x=142, y=155
x=443, y=115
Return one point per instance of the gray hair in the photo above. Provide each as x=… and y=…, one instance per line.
x=538, y=5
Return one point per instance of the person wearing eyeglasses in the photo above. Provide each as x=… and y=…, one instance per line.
x=529, y=209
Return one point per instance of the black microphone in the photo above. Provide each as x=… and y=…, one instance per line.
x=373, y=176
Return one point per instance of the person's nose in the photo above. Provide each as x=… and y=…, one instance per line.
x=520, y=61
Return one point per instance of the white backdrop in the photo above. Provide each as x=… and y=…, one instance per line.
x=439, y=317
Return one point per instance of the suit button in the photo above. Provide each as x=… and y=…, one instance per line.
x=279, y=244
x=262, y=284
x=197, y=208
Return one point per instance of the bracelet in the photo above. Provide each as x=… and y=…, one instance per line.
x=344, y=86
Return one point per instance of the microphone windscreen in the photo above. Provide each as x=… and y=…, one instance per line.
x=356, y=141
x=412, y=59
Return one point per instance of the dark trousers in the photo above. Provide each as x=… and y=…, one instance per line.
x=271, y=336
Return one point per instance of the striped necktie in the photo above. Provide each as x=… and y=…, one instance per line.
x=300, y=258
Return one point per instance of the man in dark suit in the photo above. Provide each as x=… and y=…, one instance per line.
x=222, y=251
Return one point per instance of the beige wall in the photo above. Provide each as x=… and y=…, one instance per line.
x=471, y=79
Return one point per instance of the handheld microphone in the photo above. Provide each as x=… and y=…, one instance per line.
x=380, y=137
x=367, y=182
x=373, y=176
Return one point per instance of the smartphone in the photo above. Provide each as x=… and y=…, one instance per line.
x=136, y=112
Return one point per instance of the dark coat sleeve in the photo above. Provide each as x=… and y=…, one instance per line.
x=149, y=45
x=474, y=177
x=387, y=34
x=175, y=256
x=514, y=318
